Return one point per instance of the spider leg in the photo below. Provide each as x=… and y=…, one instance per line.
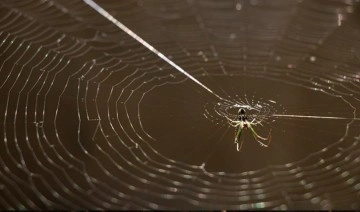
x=258, y=137
x=238, y=133
x=233, y=123
x=238, y=148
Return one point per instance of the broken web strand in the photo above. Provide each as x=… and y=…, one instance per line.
x=109, y=17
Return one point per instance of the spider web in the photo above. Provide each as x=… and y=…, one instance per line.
x=91, y=118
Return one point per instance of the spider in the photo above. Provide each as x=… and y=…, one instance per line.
x=242, y=124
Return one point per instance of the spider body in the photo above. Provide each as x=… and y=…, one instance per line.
x=242, y=123
x=242, y=115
